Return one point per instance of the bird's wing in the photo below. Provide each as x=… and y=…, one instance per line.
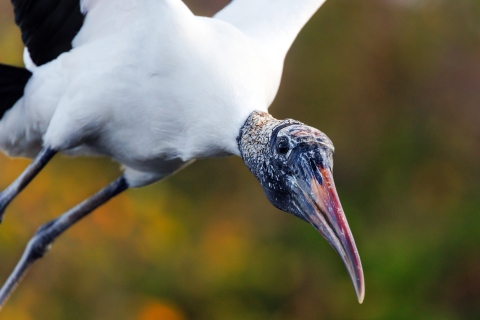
x=273, y=24
x=48, y=26
x=12, y=82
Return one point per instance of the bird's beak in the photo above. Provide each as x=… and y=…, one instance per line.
x=316, y=198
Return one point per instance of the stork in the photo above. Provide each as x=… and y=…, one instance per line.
x=154, y=87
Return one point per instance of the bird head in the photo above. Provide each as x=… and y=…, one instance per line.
x=294, y=164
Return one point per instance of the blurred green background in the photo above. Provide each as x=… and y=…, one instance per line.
x=395, y=85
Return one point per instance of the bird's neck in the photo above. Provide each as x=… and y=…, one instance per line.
x=254, y=140
x=255, y=133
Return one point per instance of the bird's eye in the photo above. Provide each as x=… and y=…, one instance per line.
x=282, y=147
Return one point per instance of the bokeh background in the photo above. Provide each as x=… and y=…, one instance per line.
x=396, y=86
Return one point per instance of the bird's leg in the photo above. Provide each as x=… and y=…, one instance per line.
x=47, y=233
x=45, y=155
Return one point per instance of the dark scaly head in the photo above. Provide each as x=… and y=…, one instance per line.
x=294, y=164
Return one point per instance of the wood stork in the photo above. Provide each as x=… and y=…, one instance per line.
x=154, y=87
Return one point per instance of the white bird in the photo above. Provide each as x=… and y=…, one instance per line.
x=154, y=87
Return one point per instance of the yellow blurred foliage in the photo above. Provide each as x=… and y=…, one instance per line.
x=11, y=46
x=16, y=313
x=156, y=310
x=225, y=248
x=116, y=219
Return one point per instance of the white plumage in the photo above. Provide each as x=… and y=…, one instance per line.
x=153, y=86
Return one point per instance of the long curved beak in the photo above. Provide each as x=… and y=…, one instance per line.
x=316, y=198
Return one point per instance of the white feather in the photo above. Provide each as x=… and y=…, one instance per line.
x=155, y=87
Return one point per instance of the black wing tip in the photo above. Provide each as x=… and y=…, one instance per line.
x=48, y=26
x=12, y=84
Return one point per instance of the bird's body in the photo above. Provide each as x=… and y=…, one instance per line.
x=154, y=87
